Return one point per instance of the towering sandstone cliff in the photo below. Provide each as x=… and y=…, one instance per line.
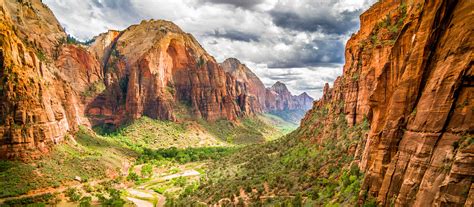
x=37, y=106
x=409, y=73
x=51, y=86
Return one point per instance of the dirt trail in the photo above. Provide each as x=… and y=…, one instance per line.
x=186, y=173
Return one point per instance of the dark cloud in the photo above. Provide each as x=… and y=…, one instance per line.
x=246, y=4
x=236, y=35
x=323, y=22
x=287, y=77
x=123, y=10
x=317, y=53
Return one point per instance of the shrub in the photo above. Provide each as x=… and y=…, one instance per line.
x=73, y=194
x=147, y=170
x=114, y=199
x=133, y=176
x=85, y=202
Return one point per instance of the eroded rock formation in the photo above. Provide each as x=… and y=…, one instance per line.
x=409, y=73
x=50, y=85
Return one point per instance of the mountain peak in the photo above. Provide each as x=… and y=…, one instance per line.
x=159, y=25
x=231, y=64
x=280, y=87
x=304, y=94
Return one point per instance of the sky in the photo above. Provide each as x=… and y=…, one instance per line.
x=298, y=42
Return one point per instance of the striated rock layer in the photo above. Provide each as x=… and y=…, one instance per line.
x=409, y=73
x=37, y=105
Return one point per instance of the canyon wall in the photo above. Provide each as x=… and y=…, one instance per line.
x=409, y=73
x=37, y=105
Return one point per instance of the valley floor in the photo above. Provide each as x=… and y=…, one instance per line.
x=141, y=164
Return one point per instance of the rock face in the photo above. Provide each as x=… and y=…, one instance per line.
x=152, y=68
x=51, y=86
x=409, y=73
x=37, y=106
x=251, y=84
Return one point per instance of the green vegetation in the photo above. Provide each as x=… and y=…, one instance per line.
x=200, y=62
x=94, y=89
x=250, y=130
x=112, y=199
x=283, y=126
x=294, y=170
x=41, y=56
x=73, y=194
x=35, y=201
x=152, y=145
x=156, y=134
x=391, y=25
x=72, y=40
x=185, y=155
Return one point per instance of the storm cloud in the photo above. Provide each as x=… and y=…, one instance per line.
x=324, y=22
x=298, y=42
x=247, y=4
x=235, y=35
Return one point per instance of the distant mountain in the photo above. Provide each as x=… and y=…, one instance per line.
x=276, y=100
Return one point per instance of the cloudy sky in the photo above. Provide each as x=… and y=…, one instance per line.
x=298, y=42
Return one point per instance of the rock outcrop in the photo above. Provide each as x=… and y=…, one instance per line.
x=409, y=73
x=281, y=99
x=151, y=68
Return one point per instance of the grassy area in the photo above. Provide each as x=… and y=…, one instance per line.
x=290, y=116
x=185, y=155
x=284, y=127
x=257, y=129
x=149, y=133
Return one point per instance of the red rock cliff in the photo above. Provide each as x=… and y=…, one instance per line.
x=152, y=68
x=409, y=73
x=37, y=105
